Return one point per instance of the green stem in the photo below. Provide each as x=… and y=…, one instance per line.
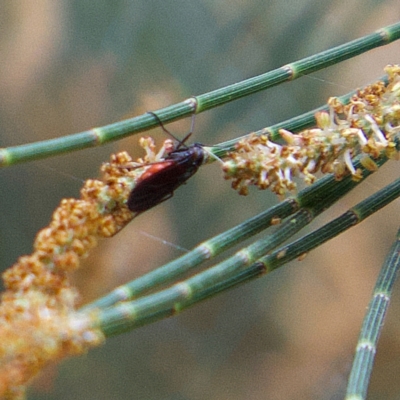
x=295, y=124
x=350, y=218
x=298, y=68
x=170, y=301
x=201, y=253
x=372, y=325
x=318, y=197
x=198, y=104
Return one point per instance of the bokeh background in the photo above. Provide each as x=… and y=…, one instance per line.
x=67, y=66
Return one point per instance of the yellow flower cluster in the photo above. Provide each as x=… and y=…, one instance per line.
x=39, y=323
x=367, y=125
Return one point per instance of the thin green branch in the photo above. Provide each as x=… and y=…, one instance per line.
x=350, y=218
x=170, y=301
x=173, y=299
x=318, y=196
x=201, y=253
x=198, y=104
x=295, y=124
x=372, y=325
x=298, y=68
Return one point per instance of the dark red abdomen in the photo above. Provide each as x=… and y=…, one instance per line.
x=159, y=182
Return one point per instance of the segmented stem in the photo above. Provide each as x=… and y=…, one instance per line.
x=350, y=218
x=372, y=325
x=201, y=253
x=168, y=302
x=198, y=104
x=314, y=199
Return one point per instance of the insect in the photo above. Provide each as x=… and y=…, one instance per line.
x=162, y=178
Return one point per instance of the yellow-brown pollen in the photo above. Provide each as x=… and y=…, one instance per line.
x=39, y=323
x=368, y=125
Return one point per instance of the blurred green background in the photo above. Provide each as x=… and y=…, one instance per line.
x=67, y=66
